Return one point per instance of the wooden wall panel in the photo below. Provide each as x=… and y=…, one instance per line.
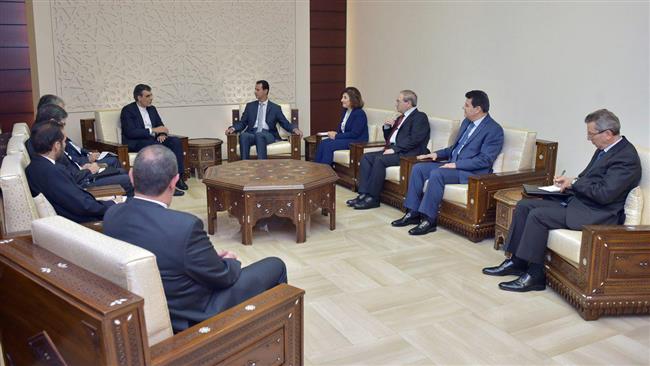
x=16, y=103
x=327, y=62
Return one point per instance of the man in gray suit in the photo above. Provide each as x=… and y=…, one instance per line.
x=199, y=281
x=597, y=197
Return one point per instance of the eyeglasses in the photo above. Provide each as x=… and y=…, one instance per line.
x=592, y=134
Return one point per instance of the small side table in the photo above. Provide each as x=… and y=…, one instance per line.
x=311, y=142
x=204, y=153
x=506, y=201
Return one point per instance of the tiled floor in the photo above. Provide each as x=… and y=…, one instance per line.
x=377, y=296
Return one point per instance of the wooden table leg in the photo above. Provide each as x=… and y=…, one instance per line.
x=332, y=207
x=301, y=224
x=247, y=224
x=212, y=211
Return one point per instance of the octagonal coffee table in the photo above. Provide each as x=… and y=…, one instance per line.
x=254, y=189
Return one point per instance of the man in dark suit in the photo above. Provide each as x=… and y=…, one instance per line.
x=55, y=182
x=199, y=281
x=142, y=126
x=406, y=135
x=597, y=197
x=258, y=124
x=478, y=144
x=88, y=174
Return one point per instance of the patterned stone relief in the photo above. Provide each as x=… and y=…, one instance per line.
x=190, y=52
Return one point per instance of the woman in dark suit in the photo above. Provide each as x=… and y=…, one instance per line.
x=353, y=127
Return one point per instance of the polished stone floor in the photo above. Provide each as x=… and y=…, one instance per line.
x=377, y=296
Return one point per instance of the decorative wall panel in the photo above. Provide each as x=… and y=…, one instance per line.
x=190, y=52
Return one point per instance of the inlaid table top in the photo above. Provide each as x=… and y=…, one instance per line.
x=272, y=174
x=204, y=142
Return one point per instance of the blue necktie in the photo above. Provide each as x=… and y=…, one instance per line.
x=462, y=142
x=600, y=154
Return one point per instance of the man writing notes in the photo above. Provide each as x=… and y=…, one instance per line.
x=597, y=197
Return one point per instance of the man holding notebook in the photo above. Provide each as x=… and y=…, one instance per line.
x=596, y=197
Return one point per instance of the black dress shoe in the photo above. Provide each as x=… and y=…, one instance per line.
x=181, y=185
x=355, y=200
x=411, y=218
x=506, y=268
x=525, y=283
x=178, y=192
x=424, y=227
x=366, y=203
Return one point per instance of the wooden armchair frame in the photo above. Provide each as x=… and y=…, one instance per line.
x=613, y=276
x=477, y=220
x=89, y=141
x=232, y=139
x=56, y=313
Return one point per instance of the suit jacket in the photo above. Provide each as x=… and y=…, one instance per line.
x=480, y=150
x=79, y=157
x=601, y=189
x=413, y=135
x=133, y=125
x=356, y=127
x=274, y=116
x=189, y=265
x=58, y=186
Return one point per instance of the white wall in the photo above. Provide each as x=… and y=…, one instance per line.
x=209, y=117
x=545, y=65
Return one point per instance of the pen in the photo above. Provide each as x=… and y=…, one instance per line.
x=563, y=172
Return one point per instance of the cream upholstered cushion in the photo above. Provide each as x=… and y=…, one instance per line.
x=43, y=206
x=276, y=148
x=443, y=132
x=376, y=118
x=456, y=193
x=18, y=206
x=126, y=265
x=644, y=154
x=107, y=126
x=518, y=151
x=392, y=174
x=342, y=157
x=375, y=133
x=20, y=128
x=634, y=206
x=566, y=243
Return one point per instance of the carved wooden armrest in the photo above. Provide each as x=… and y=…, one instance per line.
x=406, y=164
x=94, y=225
x=231, y=144
x=106, y=191
x=358, y=148
x=122, y=151
x=296, y=146
x=612, y=254
x=266, y=329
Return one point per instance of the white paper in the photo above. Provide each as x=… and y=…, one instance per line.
x=322, y=134
x=551, y=188
x=104, y=154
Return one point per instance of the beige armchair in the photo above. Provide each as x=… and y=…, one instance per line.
x=20, y=128
x=18, y=206
x=289, y=147
x=95, y=300
x=104, y=133
x=605, y=269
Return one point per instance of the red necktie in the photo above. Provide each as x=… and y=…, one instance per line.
x=393, y=130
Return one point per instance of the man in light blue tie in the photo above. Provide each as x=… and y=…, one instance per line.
x=258, y=123
x=479, y=142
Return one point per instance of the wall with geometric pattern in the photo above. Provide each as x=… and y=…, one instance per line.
x=200, y=57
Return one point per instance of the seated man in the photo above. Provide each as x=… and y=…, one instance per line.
x=142, y=126
x=199, y=281
x=258, y=123
x=86, y=175
x=46, y=176
x=597, y=197
x=406, y=135
x=479, y=142
x=75, y=152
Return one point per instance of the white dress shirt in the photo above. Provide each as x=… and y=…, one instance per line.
x=345, y=119
x=393, y=138
x=146, y=119
x=150, y=200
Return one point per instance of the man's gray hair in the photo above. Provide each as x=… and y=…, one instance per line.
x=605, y=120
x=153, y=169
x=410, y=96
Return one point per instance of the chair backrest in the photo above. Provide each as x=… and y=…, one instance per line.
x=376, y=118
x=16, y=145
x=518, y=151
x=644, y=185
x=107, y=126
x=443, y=132
x=20, y=128
x=286, y=110
x=124, y=264
x=19, y=208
